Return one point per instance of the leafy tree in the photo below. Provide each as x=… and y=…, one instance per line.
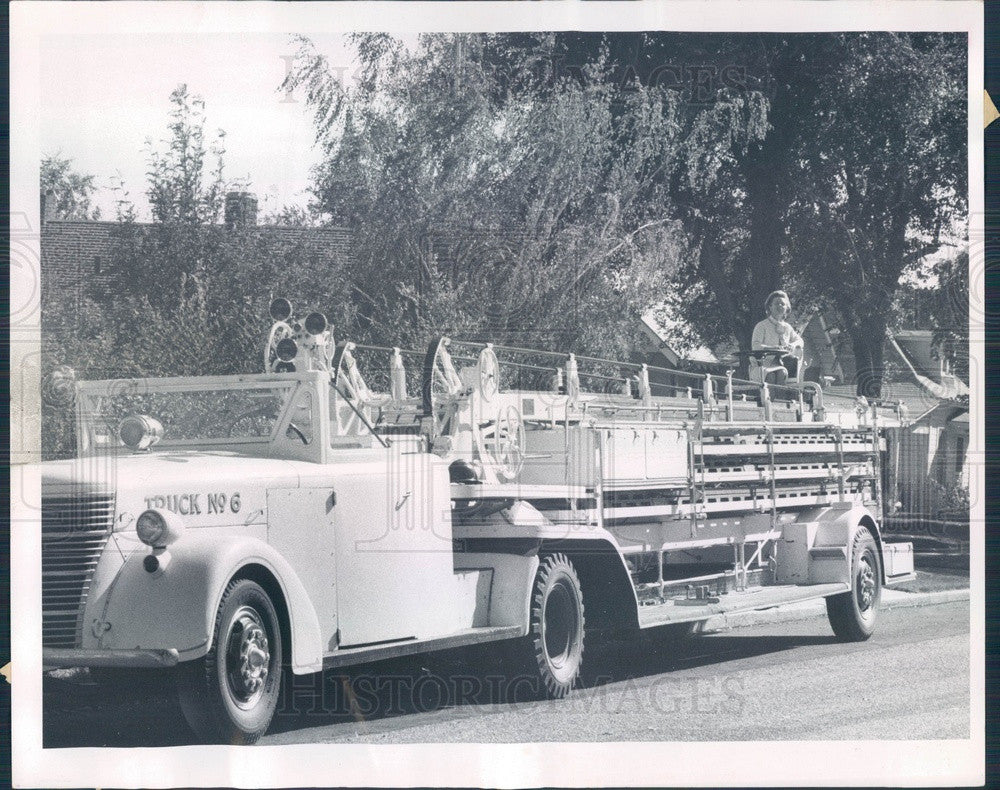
x=724, y=94
x=950, y=313
x=489, y=202
x=881, y=169
x=849, y=162
x=71, y=191
x=166, y=261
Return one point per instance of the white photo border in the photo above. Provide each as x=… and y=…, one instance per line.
x=898, y=763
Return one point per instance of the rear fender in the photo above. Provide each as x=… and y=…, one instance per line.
x=175, y=606
x=608, y=592
x=838, y=526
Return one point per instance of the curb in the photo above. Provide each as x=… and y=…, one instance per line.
x=891, y=599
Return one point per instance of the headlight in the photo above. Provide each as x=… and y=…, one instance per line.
x=281, y=309
x=158, y=528
x=150, y=527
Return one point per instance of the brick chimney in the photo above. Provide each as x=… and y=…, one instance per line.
x=47, y=205
x=241, y=210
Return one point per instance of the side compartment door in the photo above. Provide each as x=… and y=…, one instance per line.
x=394, y=552
x=300, y=527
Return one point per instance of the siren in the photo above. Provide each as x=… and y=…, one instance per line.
x=281, y=309
x=316, y=323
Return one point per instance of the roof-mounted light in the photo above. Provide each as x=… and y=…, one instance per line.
x=316, y=323
x=281, y=309
x=287, y=349
x=140, y=431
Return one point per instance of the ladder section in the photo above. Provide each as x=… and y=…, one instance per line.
x=723, y=468
x=775, y=466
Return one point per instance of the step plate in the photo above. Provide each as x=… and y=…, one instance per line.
x=755, y=598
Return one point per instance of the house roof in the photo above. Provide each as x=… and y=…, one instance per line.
x=658, y=335
x=913, y=348
x=918, y=347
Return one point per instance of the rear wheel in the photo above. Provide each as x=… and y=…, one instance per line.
x=231, y=694
x=853, y=614
x=557, y=625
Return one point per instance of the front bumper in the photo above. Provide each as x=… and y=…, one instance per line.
x=55, y=658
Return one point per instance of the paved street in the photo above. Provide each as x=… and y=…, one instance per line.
x=779, y=681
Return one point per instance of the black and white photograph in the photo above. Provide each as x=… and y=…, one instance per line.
x=497, y=394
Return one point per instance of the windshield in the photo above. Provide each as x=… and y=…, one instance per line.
x=235, y=413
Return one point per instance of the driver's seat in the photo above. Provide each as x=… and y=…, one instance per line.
x=761, y=364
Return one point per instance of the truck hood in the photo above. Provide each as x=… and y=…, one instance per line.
x=206, y=488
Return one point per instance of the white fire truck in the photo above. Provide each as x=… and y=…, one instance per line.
x=343, y=507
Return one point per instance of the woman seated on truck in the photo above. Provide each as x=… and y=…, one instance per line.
x=774, y=334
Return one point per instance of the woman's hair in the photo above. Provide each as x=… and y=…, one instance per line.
x=775, y=295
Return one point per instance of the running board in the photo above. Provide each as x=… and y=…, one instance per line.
x=743, y=601
x=346, y=656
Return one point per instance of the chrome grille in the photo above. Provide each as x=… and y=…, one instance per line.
x=74, y=532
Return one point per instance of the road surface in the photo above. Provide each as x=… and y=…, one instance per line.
x=784, y=681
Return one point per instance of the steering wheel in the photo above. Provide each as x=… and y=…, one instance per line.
x=351, y=386
x=259, y=412
x=488, y=369
x=293, y=428
x=505, y=444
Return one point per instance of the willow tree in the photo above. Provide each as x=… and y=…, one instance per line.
x=491, y=204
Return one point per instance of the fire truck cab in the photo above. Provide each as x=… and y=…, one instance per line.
x=344, y=507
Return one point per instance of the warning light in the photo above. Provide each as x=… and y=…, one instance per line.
x=287, y=349
x=281, y=309
x=316, y=323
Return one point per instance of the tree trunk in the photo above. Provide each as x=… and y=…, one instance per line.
x=761, y=260
x=713, y=269
x=868, y=341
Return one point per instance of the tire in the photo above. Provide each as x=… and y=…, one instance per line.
x=230, y=695
x=853, y=614
x=557, y=625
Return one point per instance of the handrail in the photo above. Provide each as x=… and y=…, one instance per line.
x=634, y=365
x=390, y=349
x=682, y=383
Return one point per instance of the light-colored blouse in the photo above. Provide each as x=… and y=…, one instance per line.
x=774, y=334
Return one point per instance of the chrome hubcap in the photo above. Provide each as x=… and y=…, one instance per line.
x=247, y=657
x=866, y=584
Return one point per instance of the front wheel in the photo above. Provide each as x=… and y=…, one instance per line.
x=557, y=625
x=231, y=694
x=853, y=614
